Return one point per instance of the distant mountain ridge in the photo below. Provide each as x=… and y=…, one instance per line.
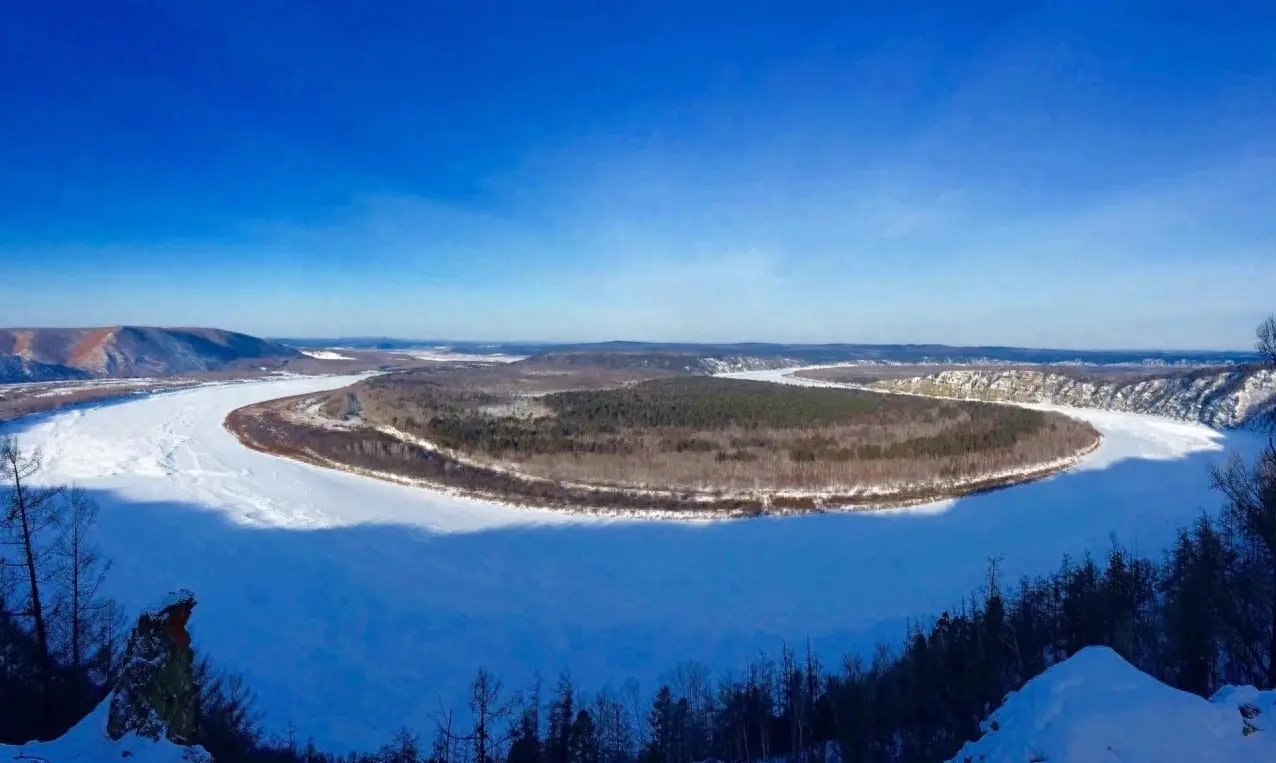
x=51, y=354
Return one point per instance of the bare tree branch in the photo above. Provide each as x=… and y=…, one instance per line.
x=1266, y=344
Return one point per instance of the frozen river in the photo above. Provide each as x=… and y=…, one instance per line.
x=352, y=606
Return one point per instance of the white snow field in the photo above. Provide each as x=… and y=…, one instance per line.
x=325, y=355
x=1095, y=707
x=353, y=606
x=87, y=742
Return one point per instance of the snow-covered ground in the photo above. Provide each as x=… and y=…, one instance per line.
x=353, y=605
x=446, y=355
x=51, y=389
x=87, y=742
x=440, y=354
x=1095, y=707
x=325, y=355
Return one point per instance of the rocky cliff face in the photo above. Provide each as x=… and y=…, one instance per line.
x=737, y=363
x=1221, y=398
x=156, y=694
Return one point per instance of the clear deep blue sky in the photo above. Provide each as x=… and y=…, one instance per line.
x=1072, y=174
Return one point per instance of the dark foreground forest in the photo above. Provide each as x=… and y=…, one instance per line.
x=1197, y=617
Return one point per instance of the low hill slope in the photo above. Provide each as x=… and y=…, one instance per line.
x=890, y=354
x=127, y=351
x=17, y=368
x=700, y=364
x=1097, y=707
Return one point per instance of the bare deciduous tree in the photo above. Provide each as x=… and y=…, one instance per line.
x=1266, y=344
x=490, y=715
x=615, y=735
x=30, y=515
x=404, y=748
x=1250, y=514
x=81, y=574
x=1266, y=347
x=444, y=746
x=631, y=698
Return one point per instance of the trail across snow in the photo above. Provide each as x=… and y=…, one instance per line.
x=352, y=606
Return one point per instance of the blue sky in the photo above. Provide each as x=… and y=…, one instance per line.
x=1065, y=174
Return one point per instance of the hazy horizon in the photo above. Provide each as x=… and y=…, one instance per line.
x=478, y=342
x=1248, y=350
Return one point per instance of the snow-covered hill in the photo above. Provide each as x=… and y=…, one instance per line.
x=88, y=742
x=16, y=368
x=1221, y=398
x=672, y=362
x=1097, y=708
x=127, y=351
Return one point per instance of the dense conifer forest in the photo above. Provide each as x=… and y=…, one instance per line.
x=751, y=413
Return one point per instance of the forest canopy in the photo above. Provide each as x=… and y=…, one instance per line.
x=712, y=433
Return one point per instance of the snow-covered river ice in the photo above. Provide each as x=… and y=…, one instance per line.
x=353, y=606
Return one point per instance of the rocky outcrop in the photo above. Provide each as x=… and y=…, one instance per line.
x=1222, y=398
x=151, y=715
x=156, y=695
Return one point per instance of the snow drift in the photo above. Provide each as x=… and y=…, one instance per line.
x=325, y=355
x=88, y=742
x=1097, y=708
